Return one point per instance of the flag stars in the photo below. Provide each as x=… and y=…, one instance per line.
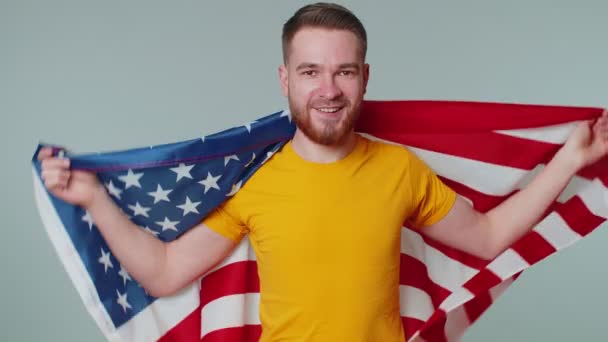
x=287, y=114
x=131, y=179
x=114, y=191
x=167, y=224
x=151, y=231
x=124, y=275
x=139, y=210
x=235, y=188
x=160, y=194
x=88, y=219
x=122, y=301
x=210, y=182
x=189, y=206
x=182, y=171
x=251, y=161
x=105, y=260
x=227, y=159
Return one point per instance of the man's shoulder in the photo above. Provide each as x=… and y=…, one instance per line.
x=387, y=148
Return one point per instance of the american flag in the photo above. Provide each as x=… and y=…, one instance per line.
x=484, y=151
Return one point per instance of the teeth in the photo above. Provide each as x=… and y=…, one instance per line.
x=328, y=110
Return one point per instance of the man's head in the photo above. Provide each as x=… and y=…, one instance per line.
x=324, y=74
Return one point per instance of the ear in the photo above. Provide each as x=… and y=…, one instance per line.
x=284, y=78
x=365, y=77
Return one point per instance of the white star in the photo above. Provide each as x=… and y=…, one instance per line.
x=150, y=231
x=248, y=126
x=105, y=260
x=167, y=225
x=139, y=210
x=227, y=159
x=131, y=179
x=183, y=171
x=268, y=156
x=251, y=161
x=189, y=207
x=88, y=219
x=286, y=113
x=125, y=276
x=122, y=301
x=160, y=194
x=114, y=191
x=210, y=182
x=235, y=187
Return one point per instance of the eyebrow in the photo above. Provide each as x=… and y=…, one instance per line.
x=316, y=66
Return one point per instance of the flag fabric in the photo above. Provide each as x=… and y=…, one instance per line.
x=485, y=151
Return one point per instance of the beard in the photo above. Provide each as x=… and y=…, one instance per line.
x=325, y=132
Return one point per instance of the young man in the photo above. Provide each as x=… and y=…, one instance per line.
x=324, y=214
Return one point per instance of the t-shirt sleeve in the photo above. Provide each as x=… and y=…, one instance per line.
x=225, y=221
x=433, y=199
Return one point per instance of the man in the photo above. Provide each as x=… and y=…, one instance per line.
x=324, y=214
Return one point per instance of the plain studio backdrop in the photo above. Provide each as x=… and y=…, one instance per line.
x=104, y=75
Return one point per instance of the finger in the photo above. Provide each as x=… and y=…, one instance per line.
x=55, y=163
x=55, y=178
x=45, y=152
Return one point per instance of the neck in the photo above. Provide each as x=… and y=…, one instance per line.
x=318, y=153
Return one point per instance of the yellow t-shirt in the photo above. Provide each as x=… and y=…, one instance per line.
x=327, y=239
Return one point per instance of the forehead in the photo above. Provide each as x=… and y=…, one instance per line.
x=324, y=46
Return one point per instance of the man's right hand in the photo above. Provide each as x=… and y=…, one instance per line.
x=73, y=186
x=161, y=268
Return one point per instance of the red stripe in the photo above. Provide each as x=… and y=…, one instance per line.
x=487, y=147
x=414, y=273
x=462, y=116
x=434, y=329
x=477, y=306
x=236, y=278
x=411, y=326
x=188, y=330
x=247, y=333
x=578, y=216
x=533, y=248
x=482, y=281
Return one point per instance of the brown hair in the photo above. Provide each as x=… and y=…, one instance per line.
x=323, y=15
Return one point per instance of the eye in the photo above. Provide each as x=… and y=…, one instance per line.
x=346, y=73
x=309, y=73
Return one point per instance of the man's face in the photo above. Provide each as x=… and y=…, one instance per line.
x=324, y=80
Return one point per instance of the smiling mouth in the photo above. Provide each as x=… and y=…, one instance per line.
x=329, y=112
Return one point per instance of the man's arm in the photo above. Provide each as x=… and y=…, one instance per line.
x=488, y=234
x=161, y=268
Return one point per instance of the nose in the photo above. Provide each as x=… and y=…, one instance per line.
x=329, y=89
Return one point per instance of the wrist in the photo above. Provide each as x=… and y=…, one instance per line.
x=568, y=161
x=98, y=195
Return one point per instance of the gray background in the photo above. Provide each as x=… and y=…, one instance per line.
x=96, y=76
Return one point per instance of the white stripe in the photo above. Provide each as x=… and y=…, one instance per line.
x=243, y=252
x=415, y=303
x=443, y=270
x=150, y=324
x=70, y=259
x=499, y=180
x=556, y=134
x=483, y=176
x=456, y=299
x=556, y=231
x=457, y=321
x=507, y=264
x=230, y=311
x=595, y=196
x=161, y=316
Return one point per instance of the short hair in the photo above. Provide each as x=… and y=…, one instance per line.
x=323, y=15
